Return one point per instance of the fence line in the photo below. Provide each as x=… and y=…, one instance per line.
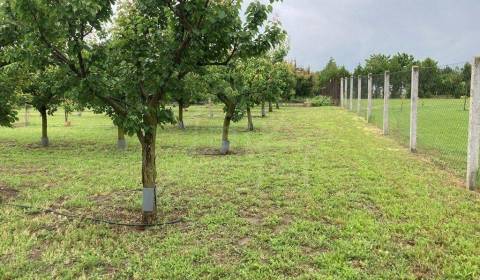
x=436, y=121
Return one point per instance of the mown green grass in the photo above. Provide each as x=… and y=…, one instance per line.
x=313, y=193
x=442, y=131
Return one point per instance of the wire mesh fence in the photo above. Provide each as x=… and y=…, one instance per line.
x=399, y=106
x=443, y=110
x=363, y=97
x=443, y=113
x=376, y=117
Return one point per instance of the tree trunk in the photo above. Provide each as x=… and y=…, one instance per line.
x=121, y=142
x=277, y=105
x=263, y=110
x=226, y=127
x=270, y=107
x=149, y=175
x=250, y=120
x=67, y=122
x=210, y=108
x=44, y=139
x=26, y=115
x=181, y=125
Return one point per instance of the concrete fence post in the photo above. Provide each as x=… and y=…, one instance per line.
x=474, y=126
x=351, y=93
x=369, y=105
x=359, y=93
x=386, y=96
x=341, y=92
x=345, y=92
x=413, y=109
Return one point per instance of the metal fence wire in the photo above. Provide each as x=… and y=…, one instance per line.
x=362, y=110
x=442, y=110
x=376, y=117
x=399, y=106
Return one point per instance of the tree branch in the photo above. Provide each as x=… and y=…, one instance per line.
x=116, y=106
x=57, y=54
x=221, y=63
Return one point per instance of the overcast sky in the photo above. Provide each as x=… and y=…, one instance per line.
x=351, y=30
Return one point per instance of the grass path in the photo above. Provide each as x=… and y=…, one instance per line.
x=314, y=193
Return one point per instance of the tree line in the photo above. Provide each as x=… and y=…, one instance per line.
x=131, y=59
x=435, y=80
x=313, y=83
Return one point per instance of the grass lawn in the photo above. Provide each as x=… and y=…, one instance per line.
x=442, y=131
x=313, y=193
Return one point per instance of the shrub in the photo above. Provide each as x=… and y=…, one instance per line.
x=319, y=101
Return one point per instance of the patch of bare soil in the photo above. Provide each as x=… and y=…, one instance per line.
x=358, y=264
x=284, y=223
x=8, y=144
x=7, y=193
x=66, y=145
x=422, y=272
x=244, y=241
x=56, y=146
x=226, y=256
x=207, y=151
x=251, y=217
x=24, y=170
x=35, y=254
x=113, y=209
